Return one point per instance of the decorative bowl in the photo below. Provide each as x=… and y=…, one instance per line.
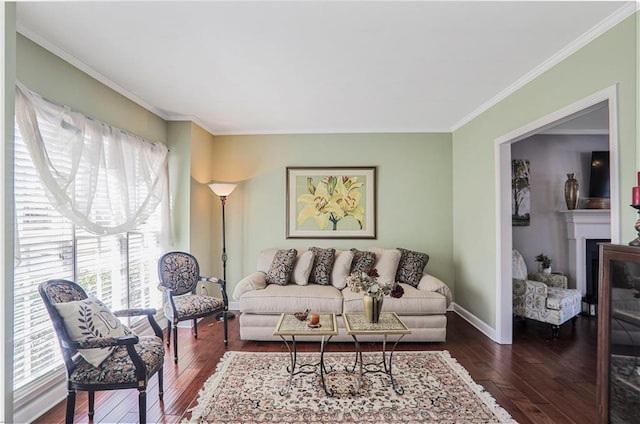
x=301, y=315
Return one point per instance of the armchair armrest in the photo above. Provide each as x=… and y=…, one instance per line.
x=223, y=287
x=528, y=294
x=552, y=280
x=149, y=312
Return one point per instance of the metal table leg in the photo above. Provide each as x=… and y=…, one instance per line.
x=305, y=368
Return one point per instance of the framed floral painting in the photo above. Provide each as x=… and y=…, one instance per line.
x=338, y=202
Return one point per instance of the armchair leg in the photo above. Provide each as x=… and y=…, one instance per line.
x=554, y=331
x=92, y=401
x=160, y=382
x=142, y=405
x=195, y=327
x=573, y=321
x=71, y=406
x=169, y=325
x=175, y=344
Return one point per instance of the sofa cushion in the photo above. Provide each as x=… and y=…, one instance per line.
x=386, y=264
x=302, y=268
x=341, y=268
x=323, y=260
x=413, y=302
x=282, y=266
x=363, y=260
x=411, y=266
x=275, y=299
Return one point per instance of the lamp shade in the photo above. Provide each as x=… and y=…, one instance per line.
x=222, y=189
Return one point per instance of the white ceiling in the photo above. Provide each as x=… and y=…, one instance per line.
x=240, y=67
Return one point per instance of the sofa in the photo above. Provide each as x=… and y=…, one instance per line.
x=288, y=280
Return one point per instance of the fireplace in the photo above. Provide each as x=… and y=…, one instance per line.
x=590, y=299
x=586, y=225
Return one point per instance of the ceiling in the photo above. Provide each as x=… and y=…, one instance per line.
x=241, y=67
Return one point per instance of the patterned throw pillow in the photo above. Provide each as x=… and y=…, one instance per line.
x=411, y=266
x=282, y=266
x=87, y=320
x=362, y=260
x=322, y=265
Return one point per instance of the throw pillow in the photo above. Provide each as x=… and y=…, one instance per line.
x=386, y=264
x=341, y=268
x=362, y=260
x=411, y=266
x=282, y=266
x=89, y=319
x=302, y=268
x=323, y=260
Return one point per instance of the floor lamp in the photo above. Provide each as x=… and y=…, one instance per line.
x=223, y=190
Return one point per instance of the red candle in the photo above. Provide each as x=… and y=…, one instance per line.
x=639, y=178
x=636, y=196
x=314, y=319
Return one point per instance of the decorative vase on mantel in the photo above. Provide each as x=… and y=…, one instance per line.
x=372, y=307
x=571, y=191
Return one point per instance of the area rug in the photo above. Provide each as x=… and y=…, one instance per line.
x=245, y=389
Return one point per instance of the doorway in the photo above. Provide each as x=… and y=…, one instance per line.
x=504, y=324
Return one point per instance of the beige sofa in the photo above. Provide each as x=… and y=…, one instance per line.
x=422, y=307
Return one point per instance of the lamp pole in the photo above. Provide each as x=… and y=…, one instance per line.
x=223, y=190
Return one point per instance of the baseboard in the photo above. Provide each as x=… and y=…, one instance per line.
x=476, y=322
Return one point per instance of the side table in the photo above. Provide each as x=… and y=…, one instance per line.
x=290, y=326
x=389, y=324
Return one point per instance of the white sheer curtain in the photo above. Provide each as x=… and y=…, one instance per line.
x=85, y=164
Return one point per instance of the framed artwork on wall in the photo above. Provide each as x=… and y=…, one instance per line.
x=333, y=202
x=520, y=193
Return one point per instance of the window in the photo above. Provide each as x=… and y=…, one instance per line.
x=120, y=269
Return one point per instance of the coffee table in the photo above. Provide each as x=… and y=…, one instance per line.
x=389, y=324
x=290, y=326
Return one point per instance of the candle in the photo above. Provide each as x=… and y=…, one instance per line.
x=636, y=196
x=639, y=178
x=314, y=319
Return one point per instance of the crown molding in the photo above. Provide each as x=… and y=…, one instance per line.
x=67, y=57
x=603, y=26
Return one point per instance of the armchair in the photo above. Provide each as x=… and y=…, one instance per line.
x=179, y=275
x=543, y=297
x=98, y=351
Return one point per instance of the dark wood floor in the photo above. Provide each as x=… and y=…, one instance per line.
x=537, y=379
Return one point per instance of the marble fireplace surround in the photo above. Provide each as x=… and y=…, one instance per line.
x=582, y=225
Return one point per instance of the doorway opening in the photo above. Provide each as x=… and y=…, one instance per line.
x=504, y=324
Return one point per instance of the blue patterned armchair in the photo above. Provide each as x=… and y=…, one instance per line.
x=179, y=275
x=98, y=351
x=543, y=297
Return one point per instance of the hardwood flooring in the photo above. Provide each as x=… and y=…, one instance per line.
x=536, y=379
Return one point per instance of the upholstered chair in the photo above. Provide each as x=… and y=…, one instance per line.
x=99, y=352
x=543, y=297
x=179, y=275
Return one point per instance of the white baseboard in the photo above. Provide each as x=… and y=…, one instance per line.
x=476, y=322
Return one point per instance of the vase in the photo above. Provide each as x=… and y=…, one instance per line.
x=571, y=191
x=372, y=307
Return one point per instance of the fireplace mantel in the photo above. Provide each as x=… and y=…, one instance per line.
x=584, y=224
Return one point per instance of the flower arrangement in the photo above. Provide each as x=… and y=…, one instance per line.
x=545, y=261
x=368, y=283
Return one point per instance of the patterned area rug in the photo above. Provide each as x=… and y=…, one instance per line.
x=245, y=389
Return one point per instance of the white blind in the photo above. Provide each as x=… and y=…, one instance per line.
x=119, y=269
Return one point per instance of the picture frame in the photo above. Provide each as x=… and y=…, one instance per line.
x=331, y=202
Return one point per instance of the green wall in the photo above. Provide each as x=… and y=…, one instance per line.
x=608, y=60
x=414, y=193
